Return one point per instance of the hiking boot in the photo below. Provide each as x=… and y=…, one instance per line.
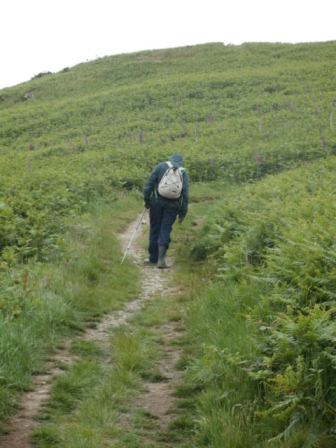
x=162, y=258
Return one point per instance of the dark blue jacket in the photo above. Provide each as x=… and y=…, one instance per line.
x=150, y=189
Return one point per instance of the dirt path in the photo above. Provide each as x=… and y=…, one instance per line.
x=157, y=397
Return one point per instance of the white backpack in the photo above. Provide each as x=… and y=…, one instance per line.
x=171, y=183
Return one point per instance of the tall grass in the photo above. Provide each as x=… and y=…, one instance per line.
x=264, y=367
x=52, y=300
x=95, y=401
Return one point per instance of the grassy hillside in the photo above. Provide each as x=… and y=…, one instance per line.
x=236, y=112
x=263, y=330
x=73, y=141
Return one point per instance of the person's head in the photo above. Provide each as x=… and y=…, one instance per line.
x=176, y=160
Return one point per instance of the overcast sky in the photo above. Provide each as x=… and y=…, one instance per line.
x=48, y=35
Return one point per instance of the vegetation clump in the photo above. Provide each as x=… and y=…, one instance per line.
x=273, y=247
x=41, y=74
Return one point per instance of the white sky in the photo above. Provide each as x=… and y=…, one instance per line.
x=48, y=35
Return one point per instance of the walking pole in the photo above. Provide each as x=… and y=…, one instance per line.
x=133, y=235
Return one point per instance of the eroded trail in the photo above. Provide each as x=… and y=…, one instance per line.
x=156, y=397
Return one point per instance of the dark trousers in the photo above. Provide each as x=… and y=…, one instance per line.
x=161, y=221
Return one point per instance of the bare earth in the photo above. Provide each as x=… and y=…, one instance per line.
x=156, y=398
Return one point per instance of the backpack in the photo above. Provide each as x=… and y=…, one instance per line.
x=171, y=183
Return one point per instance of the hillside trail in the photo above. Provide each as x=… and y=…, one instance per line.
x=156, y=397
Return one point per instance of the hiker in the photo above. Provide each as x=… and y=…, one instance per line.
x=166, y=196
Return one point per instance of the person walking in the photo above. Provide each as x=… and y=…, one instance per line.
x=166, y=195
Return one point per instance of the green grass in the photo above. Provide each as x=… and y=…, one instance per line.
x=54, y=300
x=93, y=403
x=260, y=325
x=262, y=255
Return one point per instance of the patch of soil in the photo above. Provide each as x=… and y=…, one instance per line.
x=158, y=397
x=24, y=422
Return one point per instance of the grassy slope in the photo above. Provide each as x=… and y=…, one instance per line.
x=41, y=303
x=262, y=321
x=236, y=113
x=220, y=105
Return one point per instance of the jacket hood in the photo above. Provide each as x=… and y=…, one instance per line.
x=176, y=160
